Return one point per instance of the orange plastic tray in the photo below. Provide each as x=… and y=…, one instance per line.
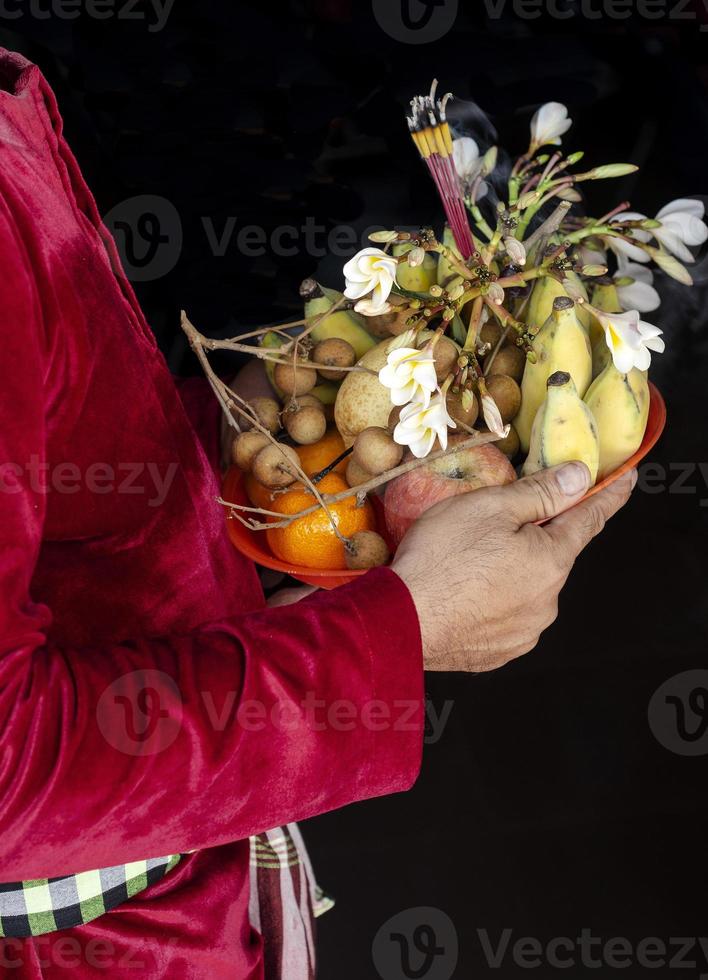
x=253, y=544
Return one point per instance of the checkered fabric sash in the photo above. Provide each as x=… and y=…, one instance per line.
x=32, y=908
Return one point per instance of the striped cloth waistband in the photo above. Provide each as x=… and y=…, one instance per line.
x=32, y=908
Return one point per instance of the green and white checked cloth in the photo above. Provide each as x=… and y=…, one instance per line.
x=32, y=908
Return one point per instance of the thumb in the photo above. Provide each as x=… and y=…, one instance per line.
x=546, y=493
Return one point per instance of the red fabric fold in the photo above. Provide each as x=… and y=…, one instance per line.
x=133, y=638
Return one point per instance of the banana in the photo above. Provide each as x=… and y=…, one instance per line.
x=418, y=279
x=605, y=298
x=564, y=429
x=620, y=406
x=344, y=324
x=548, y=289
x=561, y=345
x=445, y=271
x=272, y=341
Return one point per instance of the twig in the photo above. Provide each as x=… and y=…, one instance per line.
x=476, y=439
x=196, y=341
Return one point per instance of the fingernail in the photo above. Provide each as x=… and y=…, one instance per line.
x=573, y=478
x=635, y=477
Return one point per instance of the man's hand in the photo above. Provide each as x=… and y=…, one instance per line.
x=485, y=579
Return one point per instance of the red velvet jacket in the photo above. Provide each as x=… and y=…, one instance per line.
x=114, y=561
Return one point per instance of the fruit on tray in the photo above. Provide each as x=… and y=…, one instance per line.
x=311, y=540
x=562, y=344
x=362, y=399
x=620, y=406
x=342, y=324
x=319, y=455
x=564, y=429
x=408, y=495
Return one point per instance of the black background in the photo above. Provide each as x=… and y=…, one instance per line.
x=548, y=805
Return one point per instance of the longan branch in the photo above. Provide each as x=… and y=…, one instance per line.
x=476, y=439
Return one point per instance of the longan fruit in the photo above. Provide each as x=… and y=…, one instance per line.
x=506, y=393
x=337, y=352
x=274, y=466
x=307, y=425
x=375, y=450
x=365, y=549
x=510, y=445
x=356, y=475
x=246, y=446
x=510, y=360
x=467, y=416
x=295, y=379
x=490, y=333
x=267, y=411
x=445, y=353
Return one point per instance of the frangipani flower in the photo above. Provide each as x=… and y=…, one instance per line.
x=468, y=164
x=630, y=339
x=410, y=374
x=371, y=271
x=420, y=426
x=639, y=295
x=549, y=123
x=492, y=416
x=682, y=225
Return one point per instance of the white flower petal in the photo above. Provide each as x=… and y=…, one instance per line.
x=549, y=123
x=465, y=156
x=356, y=290
x=674, y=243
x=640, y=295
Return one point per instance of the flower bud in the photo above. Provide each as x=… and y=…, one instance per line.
x=609, y=170
x=435, y=290
x=383, y=236
x=594, y=270
x=527, y=199
x=455, y=293
x=495, y=293
x=515, y=250
x=574, y=158
x=489, y=160
x=416, y=256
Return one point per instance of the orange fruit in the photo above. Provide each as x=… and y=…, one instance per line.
x=310, y=540
x=320, y=454
x=259, y=495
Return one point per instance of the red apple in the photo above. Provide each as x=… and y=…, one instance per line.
x=409, y=495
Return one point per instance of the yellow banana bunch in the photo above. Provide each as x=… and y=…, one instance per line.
x=561, y=345
x=620, y=406
x=564, y=429
x=419, y=278
x=548, y=289
x=344, y=324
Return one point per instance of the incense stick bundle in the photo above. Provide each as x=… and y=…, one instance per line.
x=430, y=132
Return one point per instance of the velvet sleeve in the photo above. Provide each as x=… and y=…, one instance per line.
x=204, y=413
x=144, y=748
